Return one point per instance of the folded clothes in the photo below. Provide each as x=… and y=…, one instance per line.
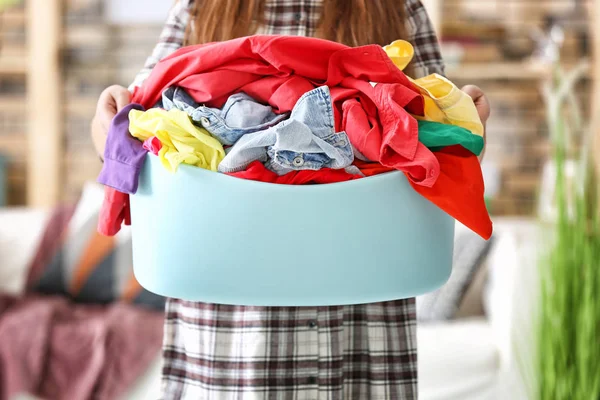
x=240, y=115
x=278, y=70
x=307, y=140
x=181, y=141
x=444, y=102
x=256, y=171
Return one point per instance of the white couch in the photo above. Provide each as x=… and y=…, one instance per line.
x=461, y=359
x=475, y=358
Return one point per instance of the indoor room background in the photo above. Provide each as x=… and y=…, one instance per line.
x=481, y=336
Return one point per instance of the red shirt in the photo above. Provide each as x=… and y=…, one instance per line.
x=278, y=70
x=258, y=172
x=114, y=212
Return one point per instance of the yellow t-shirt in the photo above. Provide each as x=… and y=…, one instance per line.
x=444, y=102
x=182, y=141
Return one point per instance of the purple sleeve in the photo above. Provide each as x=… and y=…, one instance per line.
x=124, y=155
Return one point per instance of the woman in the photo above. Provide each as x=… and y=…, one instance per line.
x=360, y=352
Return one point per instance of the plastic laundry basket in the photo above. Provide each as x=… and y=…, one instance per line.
x=204, y=236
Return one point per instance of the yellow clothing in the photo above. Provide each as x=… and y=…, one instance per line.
x=182, y=141
x=444, y=99
x=400, y=52
x=444, y=102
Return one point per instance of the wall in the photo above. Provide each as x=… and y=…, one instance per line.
x=490, y=33
x=98, y=53
x=13, y=112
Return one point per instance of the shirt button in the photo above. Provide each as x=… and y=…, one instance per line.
x=204, y=121
x=312, y=324
x=298, y=17
x=298, y=161
x=312, y=380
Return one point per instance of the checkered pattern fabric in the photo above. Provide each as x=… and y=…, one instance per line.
x=299, y=353
x=294, y=353
x=300, y=18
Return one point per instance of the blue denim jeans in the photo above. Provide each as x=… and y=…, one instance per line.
x=240, y=115
x=307, y=140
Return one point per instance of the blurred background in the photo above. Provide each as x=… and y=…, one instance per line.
x=478, y=340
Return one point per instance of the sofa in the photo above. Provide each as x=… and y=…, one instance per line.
x=478, y=354
x=468, y=357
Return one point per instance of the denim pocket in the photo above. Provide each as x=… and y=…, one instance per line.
x=286, y=160
x=333, y=151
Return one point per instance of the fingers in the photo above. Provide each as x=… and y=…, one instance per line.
x=122, y=97
x=483, y=106
x=111, y=101
x=481, y=101
x=473, y=91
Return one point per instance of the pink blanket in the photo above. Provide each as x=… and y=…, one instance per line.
x=55, y=349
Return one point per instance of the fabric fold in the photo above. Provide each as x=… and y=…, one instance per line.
x=278, y=70
x=123, y=154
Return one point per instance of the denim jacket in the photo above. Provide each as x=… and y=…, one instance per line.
x=240, y=115
x=307, y=140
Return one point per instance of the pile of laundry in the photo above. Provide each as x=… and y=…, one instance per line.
x=295, y=110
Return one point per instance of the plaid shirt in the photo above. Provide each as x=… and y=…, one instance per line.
x=300, y=18
x=355, y=352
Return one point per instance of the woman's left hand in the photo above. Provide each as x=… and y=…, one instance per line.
x=483, y=107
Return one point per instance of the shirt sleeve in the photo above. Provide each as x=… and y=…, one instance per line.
x=428, y=57
x=171, y=39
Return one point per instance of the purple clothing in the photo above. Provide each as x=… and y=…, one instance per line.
x=123, y=155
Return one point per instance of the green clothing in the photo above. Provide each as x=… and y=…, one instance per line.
x=435, y=135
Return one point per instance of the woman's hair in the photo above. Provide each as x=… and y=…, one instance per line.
x=352, y=22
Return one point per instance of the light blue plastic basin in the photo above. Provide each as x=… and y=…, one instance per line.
x=204, y=236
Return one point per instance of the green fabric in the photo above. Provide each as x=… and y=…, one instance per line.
x=435, y=136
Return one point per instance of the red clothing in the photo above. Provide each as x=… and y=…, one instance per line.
x=153, y=145
x=114, y=211
x=256, y=171
x=371, y=168
x=459, y=189
x=278, y=70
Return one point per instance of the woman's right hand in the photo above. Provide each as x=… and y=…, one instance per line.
x=111, y=101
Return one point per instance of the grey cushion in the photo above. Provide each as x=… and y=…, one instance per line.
x=470, y=251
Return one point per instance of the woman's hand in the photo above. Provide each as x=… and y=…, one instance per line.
x=483, y=107
x=111, y=101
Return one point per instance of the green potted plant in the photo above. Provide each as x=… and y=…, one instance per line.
x=565, y=361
